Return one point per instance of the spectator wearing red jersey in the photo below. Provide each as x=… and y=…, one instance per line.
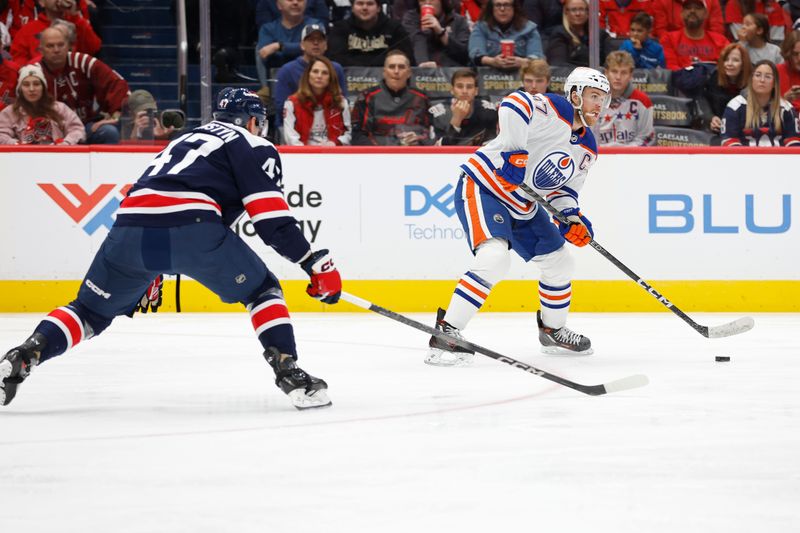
x=780, y=23
x=9, y=21
x=471, y=10
x=25, y=46
x=8, y=82
x=693, y=43
x=667, y=15
x=30, y=9
x=616, y=15
x=79, y=80
x=789, y=70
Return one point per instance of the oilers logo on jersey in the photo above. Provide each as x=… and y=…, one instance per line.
x=554, y=169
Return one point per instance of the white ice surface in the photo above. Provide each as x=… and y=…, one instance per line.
x=171, y=423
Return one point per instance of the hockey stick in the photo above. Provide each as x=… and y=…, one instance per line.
x=630, y=382
x=714, y=332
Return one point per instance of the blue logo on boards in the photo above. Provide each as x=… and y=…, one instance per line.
x=419, y=200
x=553, y=170
x=676, y=213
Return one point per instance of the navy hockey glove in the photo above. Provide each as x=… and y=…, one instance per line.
x=579, y=230
x=514, y=163
x=326, y=283
x=151, y=299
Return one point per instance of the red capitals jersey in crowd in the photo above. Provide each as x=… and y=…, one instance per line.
x=681, y=52
x=667, y=16
x=10, y=19
x=82, y=80
x=25, y=46
x=8, y=83
x=617, y=19
x=780, y=23
x=30, y=10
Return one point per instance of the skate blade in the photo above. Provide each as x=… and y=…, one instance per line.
x=315, y=400
x=438, y=357
x=556, y=350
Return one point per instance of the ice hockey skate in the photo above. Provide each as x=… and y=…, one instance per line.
x=446, y=353
x=17, y=364
x=304, y=390
x=562, y=341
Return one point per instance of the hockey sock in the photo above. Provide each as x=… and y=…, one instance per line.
x=491, y=263
x=67, y=326
x=63, y=329
x=270, y=318
x=471, y=291
x=555, y=304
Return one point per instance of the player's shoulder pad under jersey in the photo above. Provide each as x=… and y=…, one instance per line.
x=520, y=103
x=562, y=107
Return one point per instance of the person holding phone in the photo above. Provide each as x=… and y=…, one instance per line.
x=789, y=70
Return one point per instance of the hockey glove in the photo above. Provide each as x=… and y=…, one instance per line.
x=514, y=163
x=151, y=299
x=579, y=230
x=326, y=283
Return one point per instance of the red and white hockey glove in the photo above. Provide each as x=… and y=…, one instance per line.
x=579, y=230
x=326, y=283
x=151, y=299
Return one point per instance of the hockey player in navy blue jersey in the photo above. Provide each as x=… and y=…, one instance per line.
x=176, y=219
x=545, y=143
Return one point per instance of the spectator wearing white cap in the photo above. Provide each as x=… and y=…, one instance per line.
x=313, y=43
x=35, y=118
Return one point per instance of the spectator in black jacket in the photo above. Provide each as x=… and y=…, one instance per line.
x=569, y=43
x=727, y=81
x=439, y=39
x=468, y=120
x=364, y=39
x=392, y=113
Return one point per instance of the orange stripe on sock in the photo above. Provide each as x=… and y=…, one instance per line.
x=473, y=289
x=550, y=297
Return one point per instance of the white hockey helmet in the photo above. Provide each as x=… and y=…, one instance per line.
x=583, y=77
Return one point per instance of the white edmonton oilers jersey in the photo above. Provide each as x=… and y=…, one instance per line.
x=558, y=158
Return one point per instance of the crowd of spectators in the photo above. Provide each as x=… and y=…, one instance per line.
x=718, y=52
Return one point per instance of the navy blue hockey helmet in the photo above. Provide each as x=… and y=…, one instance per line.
x=237, y=105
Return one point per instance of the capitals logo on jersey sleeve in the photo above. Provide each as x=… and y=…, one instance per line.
x=554, y=169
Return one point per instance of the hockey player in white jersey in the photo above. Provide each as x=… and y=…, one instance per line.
x=545, y=142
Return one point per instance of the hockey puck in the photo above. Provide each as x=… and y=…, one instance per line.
x=722, y=358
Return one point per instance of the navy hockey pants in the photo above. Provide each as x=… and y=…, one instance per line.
x=131, y=257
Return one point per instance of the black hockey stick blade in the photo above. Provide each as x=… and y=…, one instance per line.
x=714, y=332
x=619, y=385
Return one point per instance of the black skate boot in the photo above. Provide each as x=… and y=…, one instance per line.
x=305, y=391
x=17, y=364
x=562, y=341
x=447, y=353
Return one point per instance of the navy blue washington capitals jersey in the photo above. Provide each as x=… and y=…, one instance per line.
x=214, y=173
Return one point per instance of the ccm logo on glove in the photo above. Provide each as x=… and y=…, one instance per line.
x=514, y=164
x=326, y=283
